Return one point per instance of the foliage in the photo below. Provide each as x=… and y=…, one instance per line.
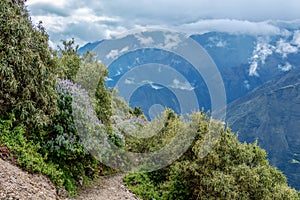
x=231, y=171
x=120, y=107
x=68, y=60
x=137, y=111
x=91, y=77
x=142, y=186
x=28, y=71
x=27, y=152
x=90, y=71
x=103, y=105
x=27, y=68
x=170, y=125
x=63, y=143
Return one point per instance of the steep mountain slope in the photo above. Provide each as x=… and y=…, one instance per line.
x=271, y=114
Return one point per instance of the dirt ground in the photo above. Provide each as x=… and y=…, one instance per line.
x=18, y=184
x=106, y=188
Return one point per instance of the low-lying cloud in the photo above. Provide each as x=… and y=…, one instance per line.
x=181, y=85
x=283, y=47
x=92, y=20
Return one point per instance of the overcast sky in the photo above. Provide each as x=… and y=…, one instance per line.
x=93, y=20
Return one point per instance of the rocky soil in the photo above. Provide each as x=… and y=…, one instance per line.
x=106, y=188
x=18, y=184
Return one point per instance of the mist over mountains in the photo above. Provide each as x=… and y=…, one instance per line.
x=245, y=62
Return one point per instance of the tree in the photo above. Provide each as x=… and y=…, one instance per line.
x=27, y=67
x=137, y=111
x=91, y=77
x=68, y=60
x=103, y=106
x=90, y=71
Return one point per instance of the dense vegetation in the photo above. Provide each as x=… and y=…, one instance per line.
x=41, y=92
x=27, y=68
x=231, y=171
x=36, y=96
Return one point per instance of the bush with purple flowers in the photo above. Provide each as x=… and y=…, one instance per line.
x=72, y=133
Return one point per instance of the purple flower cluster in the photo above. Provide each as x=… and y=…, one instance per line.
x=63, y=140
x=138, y=121
x=18, y=1
x=91, y=131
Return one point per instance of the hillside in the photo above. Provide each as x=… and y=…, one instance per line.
x=271, y=114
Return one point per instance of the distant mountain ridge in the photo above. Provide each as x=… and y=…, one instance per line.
x=271, y=115
x=244, y=61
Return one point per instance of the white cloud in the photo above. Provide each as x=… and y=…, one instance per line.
x=171, y=41
x=286, y=67
x=108, y=79
x=296, y=38
x=253, y=68
x=221, y=44
x=144, y=40
x=231, y=26
x=156, y=87
x=92, y=20
x=181, y=85
x=118, y=73
x=136, y=62
x=51, y=44
x=259, y=55
x=263, y=49
x=152, y=84
x=129, y=81
x=217, y=42
x=115, y=53
x=124, y=49
x=112, y=54
x=284, y=48
x=144, y=82
x=59, y=3
x=191, y=10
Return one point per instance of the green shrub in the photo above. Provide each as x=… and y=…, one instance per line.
x=141, y=185
x=232, y=170
x=68, y=60
x=162, y=131
x=63, y=144
x=27, y=152
x=103, y=104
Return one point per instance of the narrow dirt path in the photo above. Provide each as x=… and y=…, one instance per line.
x=18, y=184
x=106, y=188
